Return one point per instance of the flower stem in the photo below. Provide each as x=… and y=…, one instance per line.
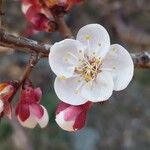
x=63, y=28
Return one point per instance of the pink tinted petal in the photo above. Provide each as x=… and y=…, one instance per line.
x=37, y=110
x=65, y=125
x=29, y=123
x=24, y=112
x=72, y=112
x=38, y=94
x=8, y=110
x=61, y=106
x=36, y=17
x=43, y=121
x=80, y=121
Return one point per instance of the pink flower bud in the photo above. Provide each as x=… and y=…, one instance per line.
x=72, y=118
x=6, y=92
x=38, y=17
x=28, y=111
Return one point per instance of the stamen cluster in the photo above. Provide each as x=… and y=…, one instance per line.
x=89, y=68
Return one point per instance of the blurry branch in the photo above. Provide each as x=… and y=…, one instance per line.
x=1, y=12
x=6, y=50
x=116, y=16
x=1, y=5
x=129, y=33
x=141, y=60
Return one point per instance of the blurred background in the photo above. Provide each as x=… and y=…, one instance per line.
x=123, y=122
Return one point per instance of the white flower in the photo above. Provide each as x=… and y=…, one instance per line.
x=89, y=68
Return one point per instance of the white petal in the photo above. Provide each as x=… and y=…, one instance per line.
x=44, y=120
x=99, y=89
x=65, y=125
x=96, y=37
x=25, y=7
x=119, y=60
x=1, y=106
x=67, y=92
x=29, y=123
x=63, y=57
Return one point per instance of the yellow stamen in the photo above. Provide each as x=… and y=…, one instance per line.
x=87, y=37
x=62, y=77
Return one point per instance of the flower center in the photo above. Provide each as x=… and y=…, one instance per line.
x=88, y=68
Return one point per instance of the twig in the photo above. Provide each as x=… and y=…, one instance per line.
x=141, y=60
x=63, y=28
x=34, y=58
x=22, y=43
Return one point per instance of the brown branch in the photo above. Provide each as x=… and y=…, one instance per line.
x=22, y=43
x=63, y=28
x=141, y=60
x=34, y=58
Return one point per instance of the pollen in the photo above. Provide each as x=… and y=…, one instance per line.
x=93, y=53
x=89, y=69
x=62, y=77
x=76, y=91
x=87, y=37
x=114, y=49
x=78, y=81
x=66, y=58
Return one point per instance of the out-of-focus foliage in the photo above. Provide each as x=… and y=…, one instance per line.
x=123, y=122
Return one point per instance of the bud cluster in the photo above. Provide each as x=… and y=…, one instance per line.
x=30, y=112
x=41, y=13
